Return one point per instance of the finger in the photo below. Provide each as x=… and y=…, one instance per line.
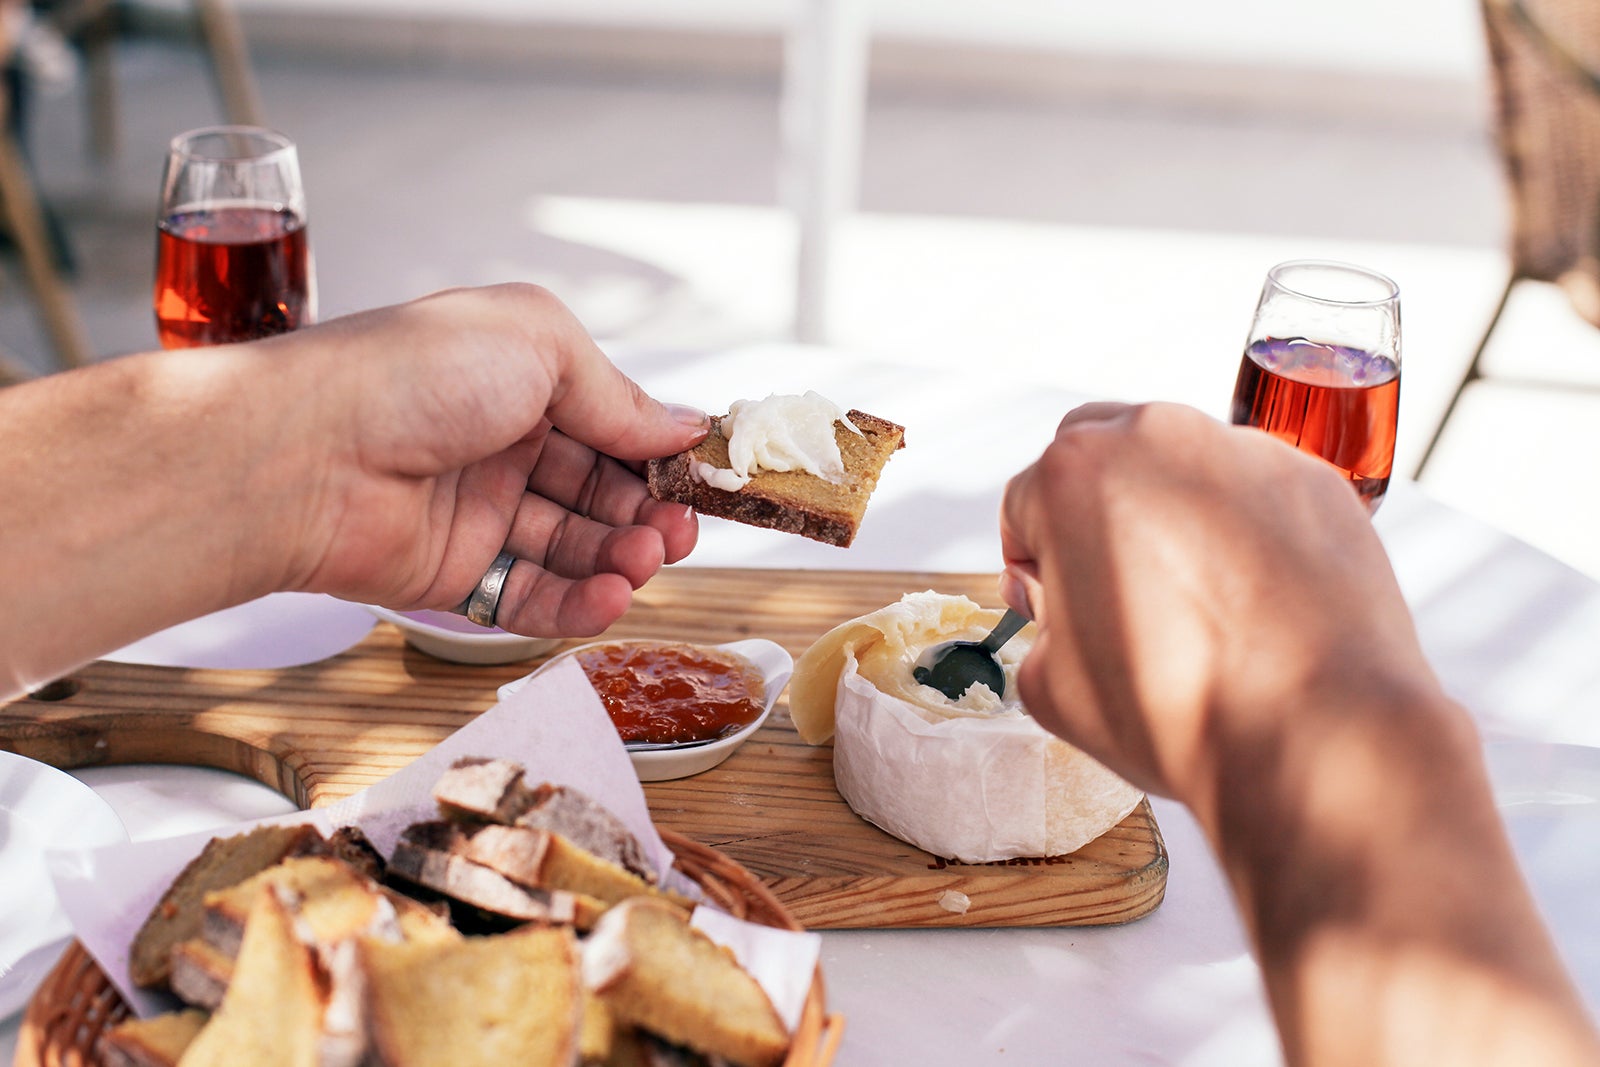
x=576, y=476
x=1018, y=585
x=1096, y=411
x=537, y=603
x=592, y=401
x=575, y=546
x=582, y=480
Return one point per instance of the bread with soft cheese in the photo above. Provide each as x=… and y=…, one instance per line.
x=158, y=1041
x=793, y=501
x=514, y=998
x=224, y=861
x=976, y=779
x=657, y=972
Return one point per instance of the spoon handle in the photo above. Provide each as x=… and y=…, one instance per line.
x=1004, y=630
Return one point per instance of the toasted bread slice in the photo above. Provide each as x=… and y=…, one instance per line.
x=541, y=859
x=791, y=501
x=512, y=998
x=659, y=973
x=493, y=790
x=158, y=1041
x=200, y=973
x=433, y=855
x=225, y=861
x=272, y=1012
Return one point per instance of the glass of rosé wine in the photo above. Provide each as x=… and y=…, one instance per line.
x=232, y=259
x=1321, y=368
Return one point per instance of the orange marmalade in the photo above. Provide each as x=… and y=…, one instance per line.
x=665, y=693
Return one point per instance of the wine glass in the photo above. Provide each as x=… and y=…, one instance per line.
x=232, y=259
x=1321, y=368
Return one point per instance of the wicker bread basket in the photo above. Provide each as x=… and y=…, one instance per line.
x=76, y=1003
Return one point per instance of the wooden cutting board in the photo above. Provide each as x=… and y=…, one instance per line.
x=325, y=730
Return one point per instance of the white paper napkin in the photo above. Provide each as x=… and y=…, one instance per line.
x=273, y=632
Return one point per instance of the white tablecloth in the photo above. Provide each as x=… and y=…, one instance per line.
x=1511, y=632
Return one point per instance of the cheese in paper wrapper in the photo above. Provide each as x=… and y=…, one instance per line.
x=976, y=780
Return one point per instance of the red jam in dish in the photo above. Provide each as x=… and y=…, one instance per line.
x=667, y=693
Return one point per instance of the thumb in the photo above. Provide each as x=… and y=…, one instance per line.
x=593, y=402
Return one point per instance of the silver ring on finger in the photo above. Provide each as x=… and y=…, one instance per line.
x=484, y=602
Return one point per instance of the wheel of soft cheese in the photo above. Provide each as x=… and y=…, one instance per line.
x=974, y=780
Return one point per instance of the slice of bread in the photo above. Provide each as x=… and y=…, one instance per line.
x=513, y=998
x=272, y=1013
x=493, y=790
x=200, y=973
x=659, y=973
x=540, y=859
x=332, y=899
x=487, y=789
x=225, y=861
x=158, y=1041
x=791, y=501
x=433, y=855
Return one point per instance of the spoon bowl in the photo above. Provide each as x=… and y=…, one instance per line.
x=956, y=666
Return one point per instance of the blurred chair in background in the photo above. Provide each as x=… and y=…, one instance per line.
x=1545, y=73
x=93, y=27
x=27, y=224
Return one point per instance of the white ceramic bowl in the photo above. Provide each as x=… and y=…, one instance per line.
x=665, y=764
x=452, y=637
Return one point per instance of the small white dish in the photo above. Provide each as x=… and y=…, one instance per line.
x=452, y=637
x=661, y=765
x=41, y=809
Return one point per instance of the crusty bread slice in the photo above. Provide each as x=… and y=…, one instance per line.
x=487, y=789
x=540, y=859
x=493, y=790
x=158, y=1041
x=225, y=861
x=791, y=501
x=200, y=973
x=272, y=1013
x=332, y=899
x=433, y=855
x=659, y=973
x=513, y=998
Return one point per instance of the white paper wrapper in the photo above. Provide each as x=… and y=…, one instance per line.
x=974, y=789
x=555, y=726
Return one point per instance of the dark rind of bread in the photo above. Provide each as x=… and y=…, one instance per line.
x=790, y=501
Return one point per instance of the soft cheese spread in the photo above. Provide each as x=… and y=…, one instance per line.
x=780, y=433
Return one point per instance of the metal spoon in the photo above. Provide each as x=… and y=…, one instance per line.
x=955, y=666
x=662, y=746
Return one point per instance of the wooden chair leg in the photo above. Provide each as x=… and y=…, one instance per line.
x=1473, y=373
x=12, y=372
x=30, y=231
x=230, y=61
x=98, y=36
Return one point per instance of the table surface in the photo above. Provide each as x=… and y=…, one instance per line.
x=1510, y=631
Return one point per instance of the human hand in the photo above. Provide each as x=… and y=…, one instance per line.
x=1190, y=581
x=471, y=421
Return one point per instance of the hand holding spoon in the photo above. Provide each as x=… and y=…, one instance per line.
x=955, y=666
